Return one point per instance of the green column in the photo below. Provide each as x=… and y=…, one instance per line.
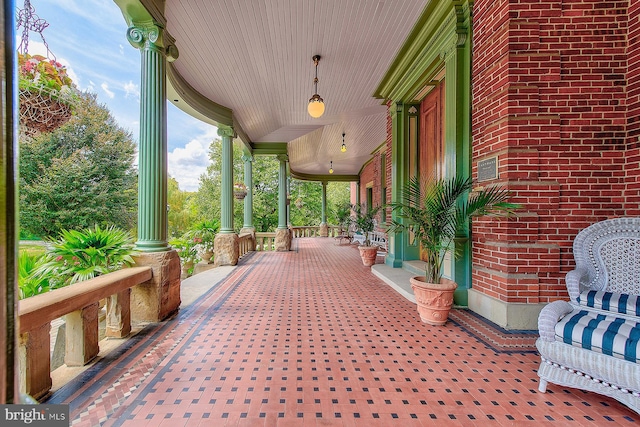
x=226, y=202
x=396, y=242
x=324, y=202
x=282, y=191
x=248, y=182
x=152, y=155
x=358, y=193
x=457, y=152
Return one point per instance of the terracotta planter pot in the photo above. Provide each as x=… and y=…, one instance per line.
x=434, y=300
x=368, y=254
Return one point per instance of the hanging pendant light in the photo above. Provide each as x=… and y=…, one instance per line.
x=316, y=104
x=331, y=166
x=343, y=148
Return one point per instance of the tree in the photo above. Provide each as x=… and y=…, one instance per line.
x=80, y=175
x=182, y=212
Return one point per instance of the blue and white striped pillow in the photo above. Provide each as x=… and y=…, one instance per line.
x=609, y=335
x=611, y=301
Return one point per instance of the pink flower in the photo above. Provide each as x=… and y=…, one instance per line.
x=59, y=258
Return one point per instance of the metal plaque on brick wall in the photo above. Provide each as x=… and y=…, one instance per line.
x=488, y=169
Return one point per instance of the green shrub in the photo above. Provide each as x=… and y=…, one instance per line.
x=82, y=255
x=31, y=283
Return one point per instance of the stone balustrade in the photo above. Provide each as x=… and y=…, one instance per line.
x=245, y=244
x=265, y=241
x=79, y=304
x=314, y=231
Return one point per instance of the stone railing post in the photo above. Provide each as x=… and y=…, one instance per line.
x=118, y=322
x=81, y=336
x=34, y=356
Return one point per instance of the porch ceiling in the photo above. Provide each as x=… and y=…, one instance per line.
x=255, y=59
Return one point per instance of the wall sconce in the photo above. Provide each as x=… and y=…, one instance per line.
x=343, y=148
x=316, y=104
x=331, y=166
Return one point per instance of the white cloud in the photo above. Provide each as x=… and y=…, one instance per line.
x=131, y=89
x=121, y=49
x=105, y=88
x=91, y=87
x=188, y=163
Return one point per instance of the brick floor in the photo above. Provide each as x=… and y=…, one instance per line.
x=312, y=338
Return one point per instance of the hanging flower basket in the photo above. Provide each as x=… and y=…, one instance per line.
x=239, y=191
x=46, y=94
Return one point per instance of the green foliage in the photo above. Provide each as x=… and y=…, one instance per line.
x=436, y=210
x=186, y=248
x=365, y=220
x=265, y=193
x=338, y=195
x=79, y=175
x=306, y=204
x=343, y=216
x=31, y=283
x=204, y=233
x=182, y=211
x=81, y=255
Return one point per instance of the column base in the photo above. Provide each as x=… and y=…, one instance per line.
x=283, y=240
x=324, y=230
x=159, y=297
x=506, y=315
x=227, y=251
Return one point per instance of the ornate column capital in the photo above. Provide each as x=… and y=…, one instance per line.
x=225, y=131
x=150, y=36
x=282, y=157
x=247, y=158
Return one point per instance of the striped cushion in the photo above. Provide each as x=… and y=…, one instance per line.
x=611, y=301
x=605, y=334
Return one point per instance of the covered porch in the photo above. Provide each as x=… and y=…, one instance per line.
x=312, y=337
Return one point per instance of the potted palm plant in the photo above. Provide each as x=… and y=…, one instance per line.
x=437, y=210
x=365, y=223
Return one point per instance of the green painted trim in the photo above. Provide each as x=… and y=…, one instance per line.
x=135, y=12
x=215, y=113
x=442, y=23
x=327, y=177
x=268, y=148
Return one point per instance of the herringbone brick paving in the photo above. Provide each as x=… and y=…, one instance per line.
x=312, y=338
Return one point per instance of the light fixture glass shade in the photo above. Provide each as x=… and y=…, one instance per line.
x=316, y=106
x=330, y=170
x=343, y=148
x=331, y=167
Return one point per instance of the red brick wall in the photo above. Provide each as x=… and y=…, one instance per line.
x=632, y=199
x=549, y=87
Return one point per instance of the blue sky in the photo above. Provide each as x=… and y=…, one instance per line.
x=89, y=37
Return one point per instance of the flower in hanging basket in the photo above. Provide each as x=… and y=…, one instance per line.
x=239, y=190
x=46, y=93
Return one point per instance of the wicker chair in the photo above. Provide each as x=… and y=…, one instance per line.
x=592, y=341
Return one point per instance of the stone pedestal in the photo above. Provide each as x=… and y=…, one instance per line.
x=324, y=230
x=227, y=251
x=283, y=240
x=159, y=297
